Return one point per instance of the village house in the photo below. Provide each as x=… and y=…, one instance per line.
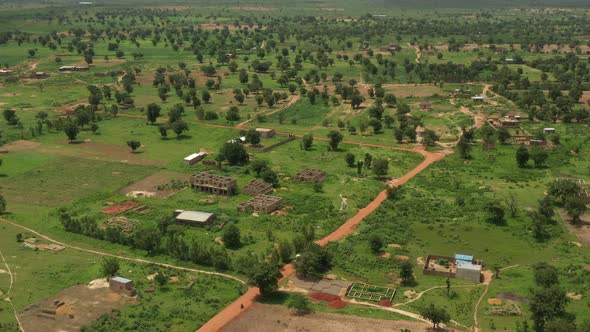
x=5, y=72
x=508, y=122
x=122, y=285
x=257, y=187
x=194, y=218
x=477, y=99
x=460, y=266
x=194, y=158
x=261, y=204
x=266, y=132
x=73, y=68
x=549, y=130
x=213, y=184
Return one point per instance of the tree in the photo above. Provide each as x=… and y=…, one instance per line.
x=314, y=261
x=503, y=135
x=269, y=176
x=575, y=207
x=390, y=99
x=495, y=213
x=10, y=117
x=522, y=156
x=380, y=167
x=2, y=205
x=375, y=243
x=234, y=153
x=178, y=127
x=153, y=112
x=233, y=114
x=335, y=139
x=258, y=165
x=266, y=277
x=253, y=136
x=71, y=130
x=299, y=303
x=231, y=237
x=545, y=275
x=161, y=279
x=163, y=129
x=435, y=314
x=429, y=137
x=539, y=156
x=109, y=266
x=307, y=141
x=133, y=144
x=406, y=273
x=546, y=304
x=561, y=189
x=206, y=96
x=350, y=160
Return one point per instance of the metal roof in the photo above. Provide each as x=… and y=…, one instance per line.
x=121, y=280
x=462, y=257
x=196, y=216
x=195, y=155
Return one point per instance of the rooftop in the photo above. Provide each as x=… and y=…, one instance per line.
x=195, y=155
x=469, y=266
x=121, y=280
x=196, y=216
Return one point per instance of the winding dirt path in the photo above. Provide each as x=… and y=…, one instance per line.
x=294, y=99
x=418, y=52
x=9, y=290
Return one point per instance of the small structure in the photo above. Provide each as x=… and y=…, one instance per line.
x=425, y=106
x=266, y=132
x=311, y=175
x=73, y=68
x=261, y=204
x=40, y=75
x=5, y=72
x=194, y=218
x=477, y=99
x=549, y=130
x=213, y=184
x=194, y=158
x=257, y=187
x=122, y=285
x=521, y=139
x=509, y=122
x=461, y=267
x=241, y=139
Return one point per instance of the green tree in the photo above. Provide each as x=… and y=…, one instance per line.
x=179, y=127
x=2, y=205
x=133, y=144
x=495, y=213
x=380, y=167
x=299, y=303
x=153, y=112
x=10, y=117
x=253, y=136
x=546, y=304
x=503, y=135
x=436, y=315
x=231, y=237
x=314, y=261
x=429, y=138
x=350, y=160
x=266, y=277
x=161, y=279
x=71, y=130
x=575, y=207
x=335, y=139
x=464, y=148
x=539, y=156
x=307, y=142
x=522, y=156
x=109, y=266
x=375, y=243
x=406, y=273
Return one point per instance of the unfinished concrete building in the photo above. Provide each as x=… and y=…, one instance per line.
x=311, y=175
x=261, y=204
x=122, y=285
x=213, y=184
x=257, y=187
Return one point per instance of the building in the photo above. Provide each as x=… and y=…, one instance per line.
x=425, y=106
x=73, y=68
x=194, y=218
x=194, y=158
x=460, y=266
x=477, y=99
x=311, y=175
x=213, y=184
x=40, y=75
x=266, y=132
x=5, y=72
x=261, y=204
x=508, y=122
x=549, y=130
x=257, y=187
x=241, y=139
x=122, y=285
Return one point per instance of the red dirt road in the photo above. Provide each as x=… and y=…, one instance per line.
x=247, y=300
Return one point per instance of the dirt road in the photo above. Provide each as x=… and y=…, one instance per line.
x=7, y=299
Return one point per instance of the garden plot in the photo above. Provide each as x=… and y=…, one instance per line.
x=360, y=291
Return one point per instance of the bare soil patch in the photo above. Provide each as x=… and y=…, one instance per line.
x=511, y=297
x=220, y=26
x=263, y=9
x=581, y=230
x=494, y=301
x=413, y=90
x=71, y=309
x=159, y=184
x=120, y=208
x=268, y=318
x=585, y=97
x=20, y=145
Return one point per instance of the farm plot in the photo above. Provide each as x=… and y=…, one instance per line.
x=370, y=292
